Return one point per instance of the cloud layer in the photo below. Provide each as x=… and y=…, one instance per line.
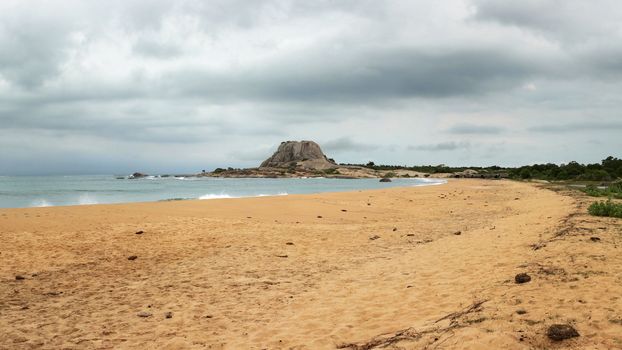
x=161, y=86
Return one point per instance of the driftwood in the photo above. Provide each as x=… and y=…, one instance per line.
x=387, y=339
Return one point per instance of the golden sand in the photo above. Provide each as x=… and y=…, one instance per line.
x=367, y=268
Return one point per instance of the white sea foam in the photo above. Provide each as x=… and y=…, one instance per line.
x=40, y=203
x=224, y=195
x=215, y=196
x=86, y=199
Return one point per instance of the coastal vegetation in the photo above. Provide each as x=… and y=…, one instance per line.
x=606, y=208
x=609, y=169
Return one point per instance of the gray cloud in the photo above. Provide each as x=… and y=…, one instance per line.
x=475, y=129
x=442, y=146
x=220, y=82
x=578, y=127
x=345, y=144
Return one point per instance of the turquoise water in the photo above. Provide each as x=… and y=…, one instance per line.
x=41, y=191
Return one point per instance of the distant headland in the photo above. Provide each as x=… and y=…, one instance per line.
x=299, y=159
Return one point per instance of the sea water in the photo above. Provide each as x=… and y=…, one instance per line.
x=42, y=191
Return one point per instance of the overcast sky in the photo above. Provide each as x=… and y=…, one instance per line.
x=114, y=86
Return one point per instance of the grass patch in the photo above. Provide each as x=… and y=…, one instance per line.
x=608, y=208
x=612, y=191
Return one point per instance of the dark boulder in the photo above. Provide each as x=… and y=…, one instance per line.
x=522, y=278
x=559, y=332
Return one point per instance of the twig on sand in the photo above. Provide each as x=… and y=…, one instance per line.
x=471, y=308
x=387, y=339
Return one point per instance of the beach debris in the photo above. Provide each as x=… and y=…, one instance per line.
x=522, y=278
x=19, y=277
x=139, y=232
x=281, y=256
x=374, y=237
x=521, y=311
x=144, y=314
x=458, y=233
x=168, y=314
x=385, y=179
x=559, y=332
x=132, y=257
x=595, y=239
x=289, y=243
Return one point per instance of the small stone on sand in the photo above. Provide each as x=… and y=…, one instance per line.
x=139, y=232
x=522, y=278
x=374, y=237
x=19, y=277
x=168, y=315
x=458, y=233
x=144, y=314
x=132, y=257
x=595, y=239
x=521, y=311
x=559, y=332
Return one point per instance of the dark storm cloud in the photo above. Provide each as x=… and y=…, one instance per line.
x=475, y=129
x=360, y=76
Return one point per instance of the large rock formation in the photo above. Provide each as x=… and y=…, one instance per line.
x=305, y=154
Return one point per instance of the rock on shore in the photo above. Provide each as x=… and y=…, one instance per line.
x=305, y=154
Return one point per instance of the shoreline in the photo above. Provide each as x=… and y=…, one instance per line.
x=88, y=198
x=316, y=271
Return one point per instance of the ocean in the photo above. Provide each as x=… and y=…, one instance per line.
x=43, y=191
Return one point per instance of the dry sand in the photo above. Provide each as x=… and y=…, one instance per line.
x=303, y=272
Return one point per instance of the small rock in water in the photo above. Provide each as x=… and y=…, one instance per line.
x=374, y=237
x=144, y=314
x=559, y=332
x=132, y=257
x=139, y=232
x=522, y=278
x=385, y=179
x=595, y=239
x=168, y=315
x=19, y=277
x=458, y=233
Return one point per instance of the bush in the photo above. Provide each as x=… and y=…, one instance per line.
x=525, y=174
x=613, y=191
x=608, y=208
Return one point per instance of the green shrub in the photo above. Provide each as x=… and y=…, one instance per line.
x=608, y=208
x=613, y=191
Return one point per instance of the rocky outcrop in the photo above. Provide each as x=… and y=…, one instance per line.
x=304, y=154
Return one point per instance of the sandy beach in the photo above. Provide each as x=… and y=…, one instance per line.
x=415, y=268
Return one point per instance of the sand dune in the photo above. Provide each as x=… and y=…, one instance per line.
x=321, y=271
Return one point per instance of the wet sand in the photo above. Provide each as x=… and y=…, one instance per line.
x=348, y=270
